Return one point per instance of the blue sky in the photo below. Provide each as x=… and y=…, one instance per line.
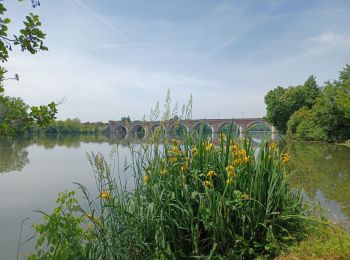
x=115, y=58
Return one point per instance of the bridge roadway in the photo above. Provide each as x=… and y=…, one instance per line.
x=130, y=129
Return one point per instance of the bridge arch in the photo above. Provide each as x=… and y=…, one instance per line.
x=138, y=131
x=157, y=129
x=258, y=130
x=225, y=127
x=259, y=125
x=177, y=130
x=121, y=131
x=207, y=129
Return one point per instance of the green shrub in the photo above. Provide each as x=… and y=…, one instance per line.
x=62, y=236
x=304, y=125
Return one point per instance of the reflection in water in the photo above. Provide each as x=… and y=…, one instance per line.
x=258, y=136
x=68, y=141
x=323, y=171
x=38, y=167
x=13, y=156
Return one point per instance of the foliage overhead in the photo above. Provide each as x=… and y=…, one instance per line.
x=14, y=115
x=30, y=38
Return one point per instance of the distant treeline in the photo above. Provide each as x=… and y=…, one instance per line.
x=74, y=126
x=17, y=118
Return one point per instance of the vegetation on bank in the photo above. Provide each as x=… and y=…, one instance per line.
x=17, y=118
x=347, y=143
x=310, y=112
x=323, y=241
x=74, y=126
x=191, y=199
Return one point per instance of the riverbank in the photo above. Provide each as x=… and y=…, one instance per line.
x=323, y=241
x=346, y=143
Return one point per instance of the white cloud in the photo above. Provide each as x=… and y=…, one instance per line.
x=331, y=38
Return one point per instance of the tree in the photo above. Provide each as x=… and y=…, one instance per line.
x=281, y=102
x=30, y=39
x=343, y=92
x=125, y=119
x=333, y=109
x=311, y=91
x=14, y=117
x=276, y=112
x=329, y=118
x=304, y=125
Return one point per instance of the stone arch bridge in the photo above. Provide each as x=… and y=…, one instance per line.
x=130, y=129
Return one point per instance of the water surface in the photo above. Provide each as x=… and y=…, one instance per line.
x=33, y=171
x=323, y=171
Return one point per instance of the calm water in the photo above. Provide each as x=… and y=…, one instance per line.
x=34, y=170
x=323, y=171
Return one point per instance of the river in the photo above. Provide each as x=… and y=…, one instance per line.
x=34, y=169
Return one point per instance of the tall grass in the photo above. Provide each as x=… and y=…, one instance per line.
x=192, y=199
